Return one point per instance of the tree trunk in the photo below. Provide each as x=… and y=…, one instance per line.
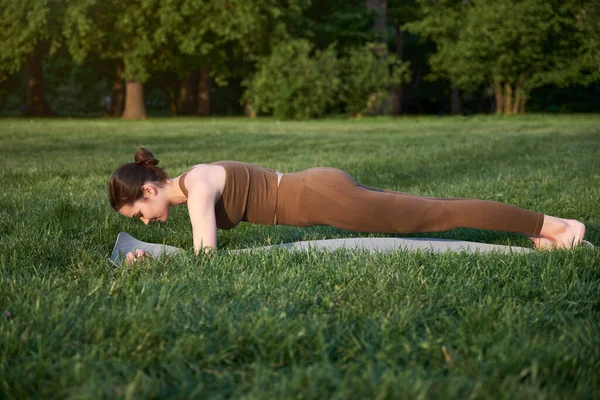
x=398, y=90
x=499, y=99
x=249, y=111
x=134, y=100
x=519, y=93
x=380, y=22
x=117, y=100
x=523, y=102
x=455, y=102
x=173, y=105
x=204, y=92
x=418, y=78
x=517, y=102
x=508, y=98
x=188, y=94
x=37, y=105
x=376, y=107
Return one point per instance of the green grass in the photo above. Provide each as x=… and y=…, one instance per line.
x=297, y=325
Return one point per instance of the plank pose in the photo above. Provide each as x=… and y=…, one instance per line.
x=221, y=194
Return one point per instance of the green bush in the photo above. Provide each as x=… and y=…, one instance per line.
x=294, y=82
x=368, y=74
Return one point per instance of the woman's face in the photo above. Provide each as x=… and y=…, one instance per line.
x=152, y=207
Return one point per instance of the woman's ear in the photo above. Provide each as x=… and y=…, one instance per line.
x=148, y=190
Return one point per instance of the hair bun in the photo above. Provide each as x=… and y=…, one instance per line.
x=144, y=158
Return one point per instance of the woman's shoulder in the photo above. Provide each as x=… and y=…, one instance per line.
x=205, y=168
x=203, y=176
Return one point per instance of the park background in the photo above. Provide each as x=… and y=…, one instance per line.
x=298, y=58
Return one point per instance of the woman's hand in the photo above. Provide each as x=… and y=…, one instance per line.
x=133, y=257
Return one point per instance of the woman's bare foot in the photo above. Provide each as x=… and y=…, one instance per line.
x=559, y=233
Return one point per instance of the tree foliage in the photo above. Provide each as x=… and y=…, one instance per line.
x=345, y=23
x=136, y=32
x=29, y=30
x=367, y=77
x=511, y=45
x=294, y=82
x=588, y=17
x=501, y=49
x=26, y=27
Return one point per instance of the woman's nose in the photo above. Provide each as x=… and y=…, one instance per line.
x=146, y=221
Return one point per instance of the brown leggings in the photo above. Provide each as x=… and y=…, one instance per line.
x=329, y=196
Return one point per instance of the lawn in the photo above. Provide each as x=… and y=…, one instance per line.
x=297, y=325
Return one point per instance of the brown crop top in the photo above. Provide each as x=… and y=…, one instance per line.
x=250, y=194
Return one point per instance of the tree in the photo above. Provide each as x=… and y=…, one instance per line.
x=242, y=35
x=345, y=23
x=368, y=78
x=295, y=82
x=400, y=12
x=134, y=34
x=380, y=25
x=511, y=45
x=29, y=30
x=589, y=28
x=190, y=42
x=209, y=36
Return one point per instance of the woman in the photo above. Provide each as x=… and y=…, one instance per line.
x=221, y=194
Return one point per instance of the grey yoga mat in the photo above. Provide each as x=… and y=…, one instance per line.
x=391, y=244
x=126, y=243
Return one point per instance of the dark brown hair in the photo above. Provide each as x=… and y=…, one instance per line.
x=125, y=185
